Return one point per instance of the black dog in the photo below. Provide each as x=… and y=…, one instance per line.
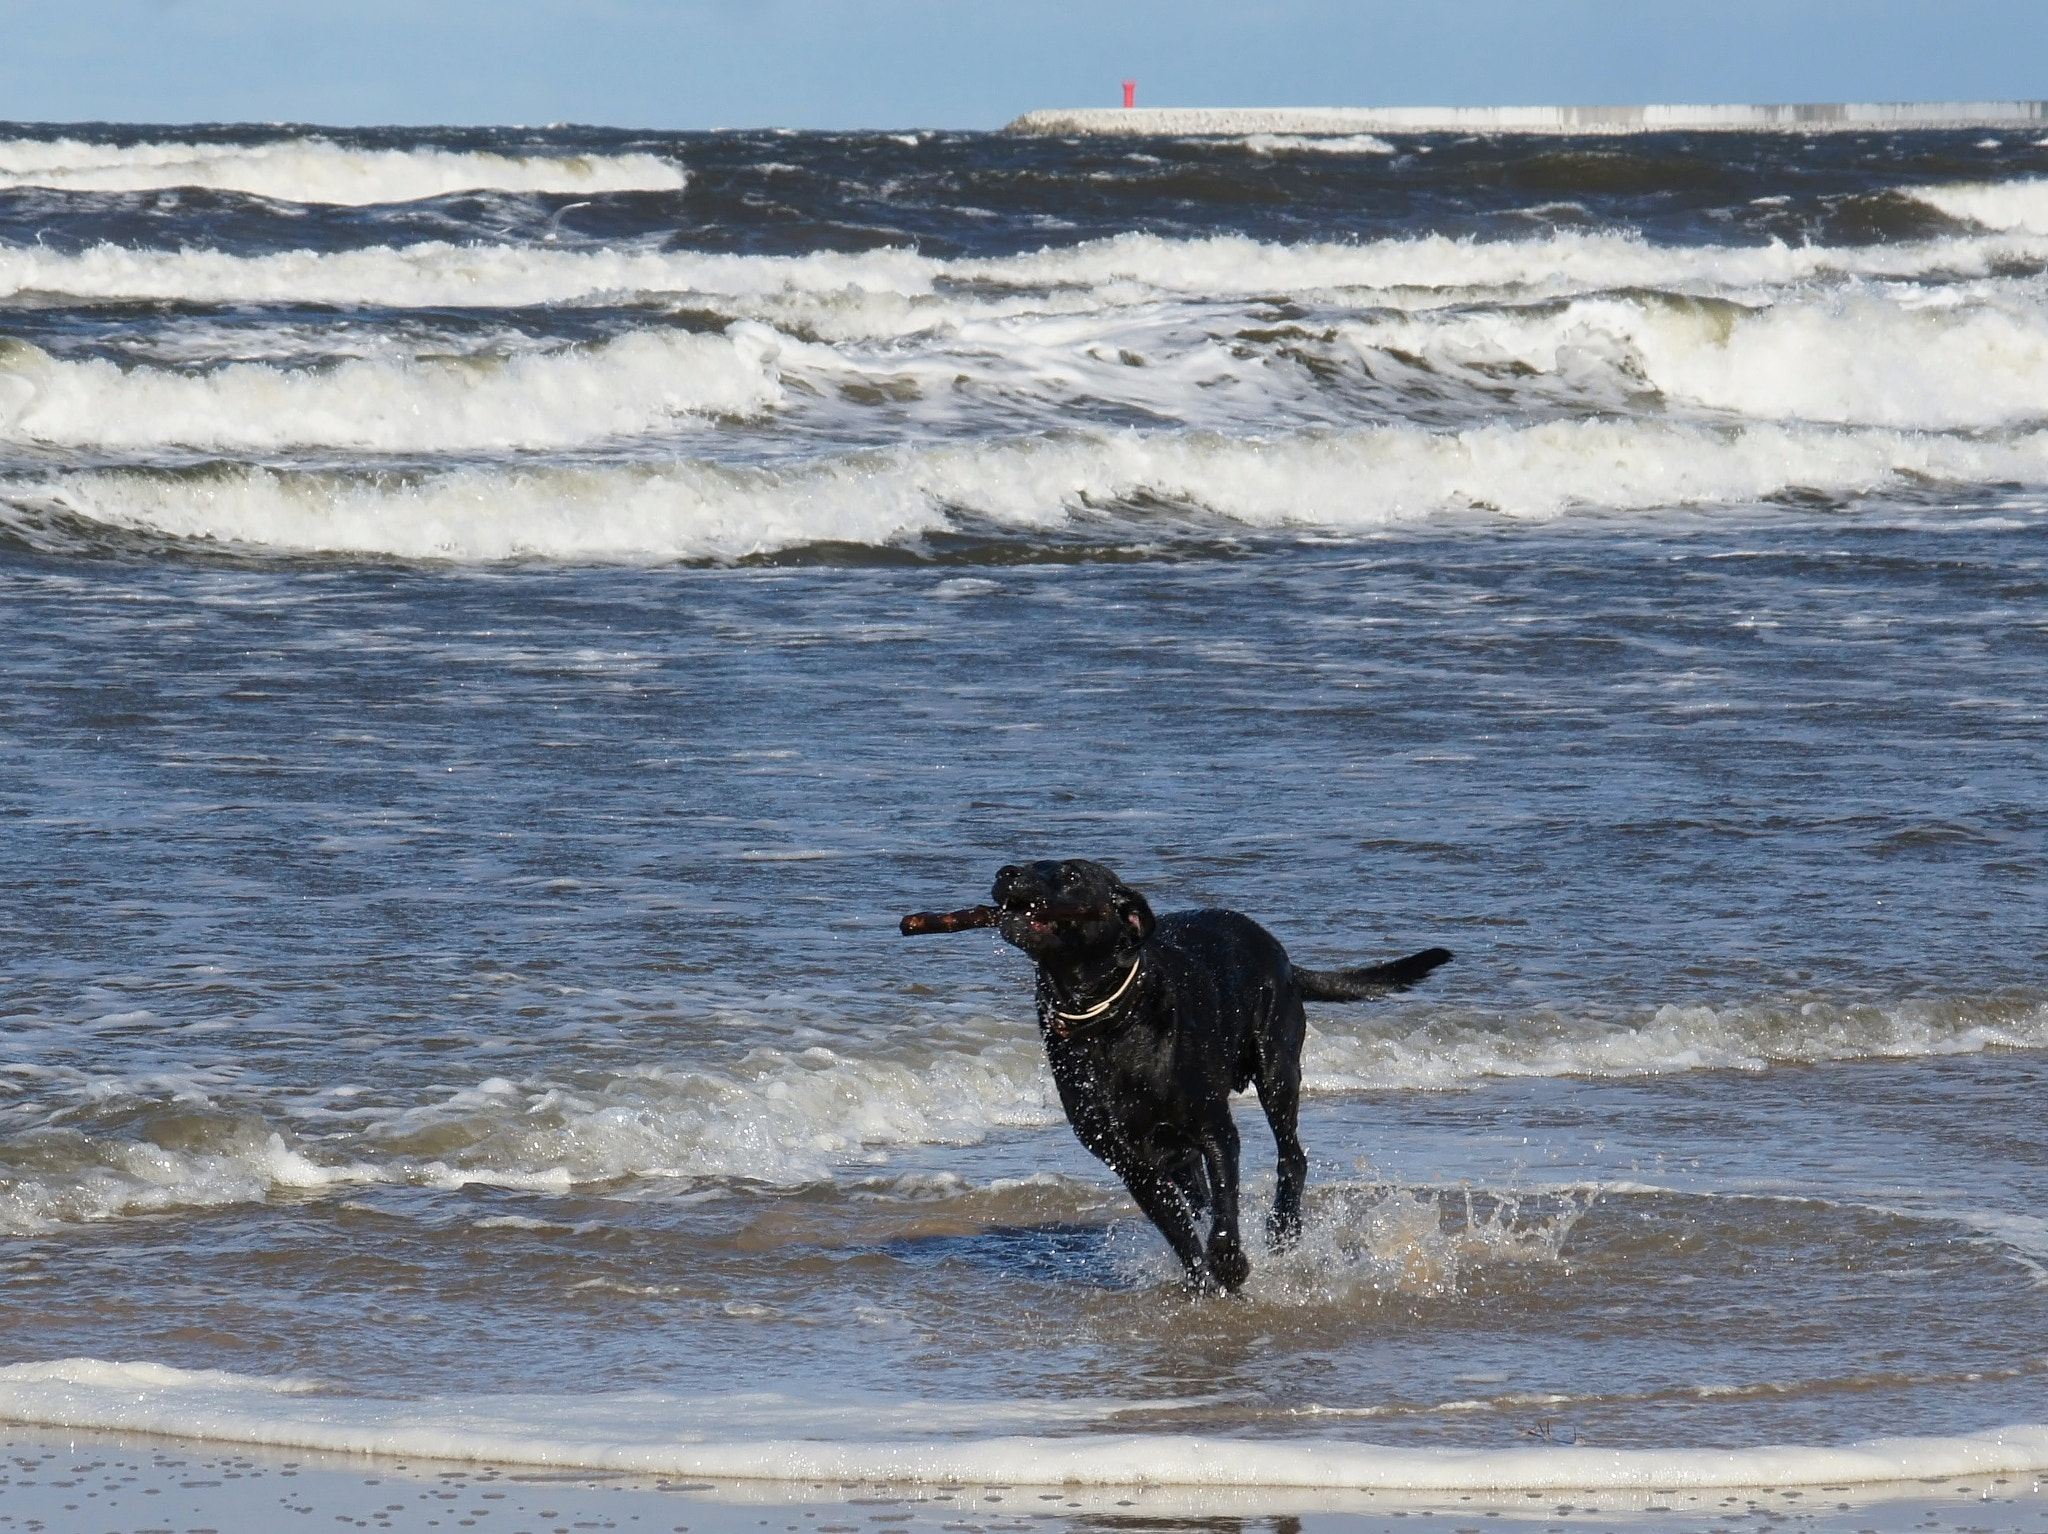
x=1151, y=1023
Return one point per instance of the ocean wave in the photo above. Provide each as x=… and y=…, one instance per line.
x=1553, y=265
x=1451, y=1051
x=624, y=387
x=776, y=1120
x=772, y=1437
x=90, y=1178
x=112, y=1148
x=1314, y=143
x=1341, y=483
x=2007, y=206
x=434, y=274
x=318, y=170
x=1425, y=269
x=1853, y=355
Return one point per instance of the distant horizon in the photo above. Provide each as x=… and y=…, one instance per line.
x=1110, y=113
x=856, y=65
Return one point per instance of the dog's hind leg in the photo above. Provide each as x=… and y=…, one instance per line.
x=1228, y=1264
x=1279, y=1084
x=1280, y=1100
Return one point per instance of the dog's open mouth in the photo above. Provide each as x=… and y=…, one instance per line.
x=1047, y=916
x=1035, y=915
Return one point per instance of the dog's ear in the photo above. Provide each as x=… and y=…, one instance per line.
x=1133, y=911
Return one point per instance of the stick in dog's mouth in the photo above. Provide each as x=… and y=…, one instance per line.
x=925, y=923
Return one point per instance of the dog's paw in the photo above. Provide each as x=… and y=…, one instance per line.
x=1229, y=1267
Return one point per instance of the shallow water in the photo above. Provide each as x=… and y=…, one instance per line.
x=485, y=672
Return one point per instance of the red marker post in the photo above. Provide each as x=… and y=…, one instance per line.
x=1130, y=94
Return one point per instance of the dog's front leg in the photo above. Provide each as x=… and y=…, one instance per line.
x=1227, y=1262
x=1167, y=1207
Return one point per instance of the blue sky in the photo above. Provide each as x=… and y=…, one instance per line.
x=976, y=63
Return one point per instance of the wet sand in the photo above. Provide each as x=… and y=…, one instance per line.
x=59, y=1482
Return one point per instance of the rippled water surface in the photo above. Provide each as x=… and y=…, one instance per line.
x=485, y=670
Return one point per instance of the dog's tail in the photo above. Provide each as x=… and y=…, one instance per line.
x=1372, y=980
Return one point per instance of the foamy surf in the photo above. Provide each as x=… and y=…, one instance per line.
x=2020, y=205
x=1305, y=143
x=772, y=1437
x=1858, y=355
x=779, y=1119
x=1452, y=1051
x=776, y=1119
x=623, y=388
x=1343, y=483
x=438, y=273
x=319, y=170
x=1402, y=271
x=1849, y=357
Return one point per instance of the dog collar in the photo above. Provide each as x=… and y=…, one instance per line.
x=1065, y=1019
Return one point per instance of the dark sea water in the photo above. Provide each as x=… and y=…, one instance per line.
x=497, y=625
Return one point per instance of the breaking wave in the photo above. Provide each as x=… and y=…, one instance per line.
x=1451, y=1051
x=776, y=1119
x=1401, y=272
x=1346, y=483
x=2006, y=206
x=1850, y=357
x=318, y=170
x=1316, y=143
x=539, y=399
x=779, y=1119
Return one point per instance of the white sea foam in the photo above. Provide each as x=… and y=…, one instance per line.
x=1316, y=143
x=147, y=1376
x=625, y=387
x=1857, y=355
x=1452, y=1051
x=766, y=1436
x=777, y=1118
x=318, y=170
x=1974, y=357
x=106, y=1178
x=1341, y=482
x=785, y=1119
x=2020, y=205
x=437, y=274
x=1171, y=331
x=1429, y=268
x=1557, y=264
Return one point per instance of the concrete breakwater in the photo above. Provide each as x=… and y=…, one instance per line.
x=1823, y=117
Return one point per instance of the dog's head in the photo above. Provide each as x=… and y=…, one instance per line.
x=1075, y=910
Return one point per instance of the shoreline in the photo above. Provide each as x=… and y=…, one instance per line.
x=57, y=1481
x=775, y=1438
x=1812, y=117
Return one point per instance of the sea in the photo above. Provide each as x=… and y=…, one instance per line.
x=497, y=625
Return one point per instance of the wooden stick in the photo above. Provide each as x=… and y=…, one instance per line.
x=923, y=923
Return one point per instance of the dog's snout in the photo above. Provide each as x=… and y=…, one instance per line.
x=1023, y=884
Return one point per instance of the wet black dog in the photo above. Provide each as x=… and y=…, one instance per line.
x=1151, y=1023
